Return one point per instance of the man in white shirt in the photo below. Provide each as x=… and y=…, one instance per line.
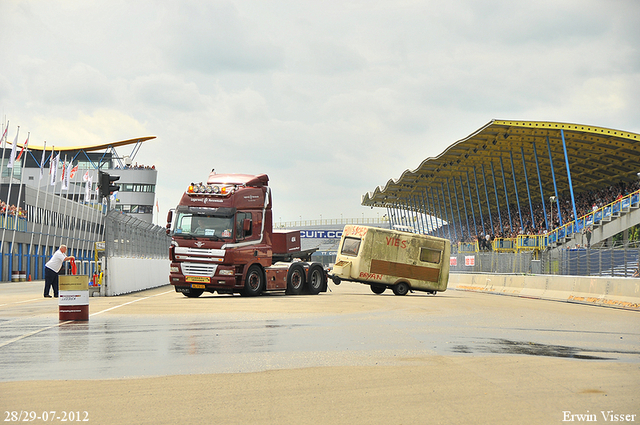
x=52, y=268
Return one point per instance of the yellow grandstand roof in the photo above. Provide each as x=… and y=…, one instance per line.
x=598, y=157
x=92, y=148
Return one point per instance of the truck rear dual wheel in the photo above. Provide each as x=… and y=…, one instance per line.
x=401, y=288
x=295, y=279
x=316, y=280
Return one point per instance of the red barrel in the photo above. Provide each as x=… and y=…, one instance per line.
x=73, y=297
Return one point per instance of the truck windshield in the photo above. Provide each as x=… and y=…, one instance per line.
x=214, y=227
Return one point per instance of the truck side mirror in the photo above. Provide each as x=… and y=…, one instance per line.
x=169, y=220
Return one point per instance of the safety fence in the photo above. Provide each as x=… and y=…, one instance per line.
x=618, y=261
x=127, y=236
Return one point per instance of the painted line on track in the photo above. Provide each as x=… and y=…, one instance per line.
x=4, y=344
x=130, y=302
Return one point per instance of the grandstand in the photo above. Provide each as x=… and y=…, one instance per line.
x=523, y=185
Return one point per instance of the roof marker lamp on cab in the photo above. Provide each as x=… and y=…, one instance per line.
x=200, y=188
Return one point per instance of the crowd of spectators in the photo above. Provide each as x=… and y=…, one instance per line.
x=11, y=210
x=585, y=202
x=135, y=167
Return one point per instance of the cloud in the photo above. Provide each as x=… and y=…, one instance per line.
x=212, y=37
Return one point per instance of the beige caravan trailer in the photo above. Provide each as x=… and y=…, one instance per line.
x=385, y=258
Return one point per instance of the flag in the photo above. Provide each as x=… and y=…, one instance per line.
x=86, y=176
x=12, y=158
x=53, y=167
x=4, y=135
x=87, y=187
x=44, y=150
x=66, y=176
x=157, y=207
x=23, y=149
x=73, y=171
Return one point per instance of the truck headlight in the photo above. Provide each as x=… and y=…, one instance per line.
x=226, y=272
x=174, y=269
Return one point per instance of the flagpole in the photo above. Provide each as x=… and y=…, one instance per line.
x=16, y=217
x=35, y=211
x=65, y=187
x=73, y=216
x=58, y=218
x=82, y=233
x=6, y=210
x=3, y=145
x=53, y=170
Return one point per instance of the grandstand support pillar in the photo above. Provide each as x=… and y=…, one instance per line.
x=515, y=186
x=464, y=203
x=425, y=213
x=414, y=216
x=526, y=183
x=433, y=206
x=473, y=212
x=544, y=208
x=486, y=194
x=436, y=204
x=506, y=194
x=453, y=218
x=625, y=238
x=457, y=206
x=495, y=191
x=566, y=159
x=425, y=202
x=555, y=186
x=475, y=178
x=446, y=213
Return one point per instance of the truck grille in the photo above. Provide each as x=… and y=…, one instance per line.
x=198, y=269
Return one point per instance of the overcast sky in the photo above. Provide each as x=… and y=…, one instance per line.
x=329, y=98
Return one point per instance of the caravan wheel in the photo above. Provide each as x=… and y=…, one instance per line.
x=401, y=288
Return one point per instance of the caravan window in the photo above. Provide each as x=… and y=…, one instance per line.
x=351, y=246
x=429, y=255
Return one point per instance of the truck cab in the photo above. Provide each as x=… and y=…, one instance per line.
x=222, y=240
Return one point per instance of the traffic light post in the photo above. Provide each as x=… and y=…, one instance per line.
x=105, y=189
x=106, y=186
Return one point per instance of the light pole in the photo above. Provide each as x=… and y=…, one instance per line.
x=552, y=199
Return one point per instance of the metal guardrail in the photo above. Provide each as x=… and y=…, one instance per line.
x=620, y=261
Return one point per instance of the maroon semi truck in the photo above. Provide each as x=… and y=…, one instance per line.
x=222, y=240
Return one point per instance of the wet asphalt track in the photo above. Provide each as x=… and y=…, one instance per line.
x=159, y=332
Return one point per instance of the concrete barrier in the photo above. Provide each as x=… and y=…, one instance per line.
x=126, y=275
x=603, y=291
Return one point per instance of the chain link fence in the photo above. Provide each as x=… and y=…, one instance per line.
x=128, y=236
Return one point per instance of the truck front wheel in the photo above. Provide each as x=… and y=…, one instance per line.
x=401, y=288
x=254, y=281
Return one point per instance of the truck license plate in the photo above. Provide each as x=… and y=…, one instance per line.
x=196, y=286
x=198, y=279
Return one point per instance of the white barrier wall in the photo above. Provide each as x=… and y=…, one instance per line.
x=604, y=291
x=125, y=275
